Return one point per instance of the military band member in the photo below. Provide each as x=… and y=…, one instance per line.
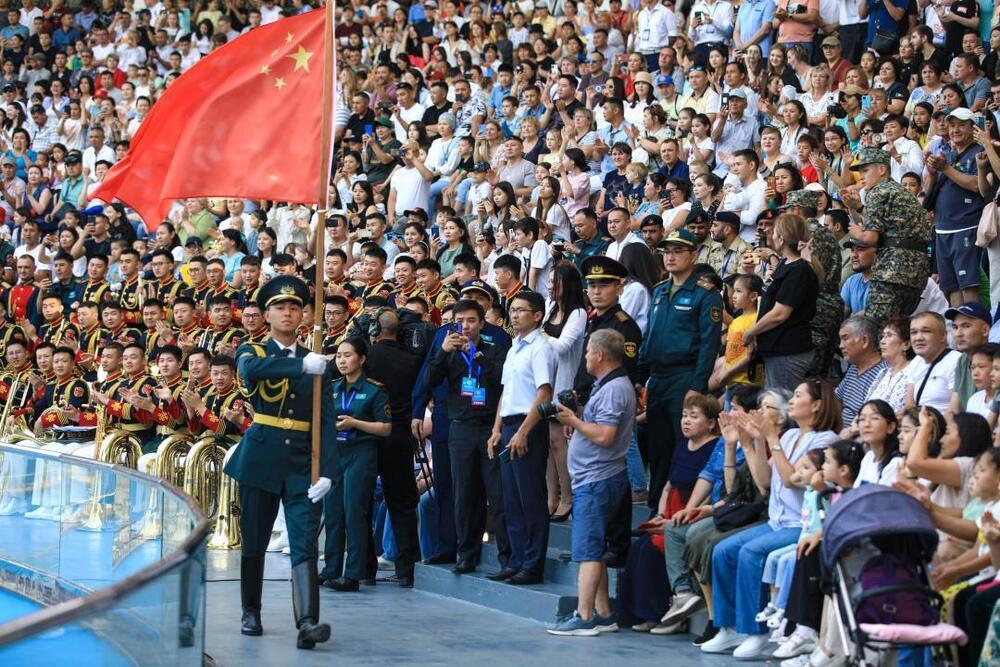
x=215, y=269
x=335, y=313
x=22, y=300
x=165, y=402
x=128, y=297
x=113, y=319
x=253, y=322
x=8, y=332
x=222, y=337
x=249, y=286
x=97, y=288
x=165, y=287
x=158, y=330
x=57, y=327
x=373, y=270
x=187, y=330
x=111, y=366
x=405, y=274
x=210, y=415
x=15, y=469
x=272, y=463
x=428, y=277
x=137, y=383
x=199, y=363
x=335, y=270
x=507, y=271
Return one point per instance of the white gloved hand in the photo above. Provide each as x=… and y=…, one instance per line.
x=319, y=489
x=314, y=364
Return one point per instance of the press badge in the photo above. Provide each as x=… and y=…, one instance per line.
x=469, y=386
x=342, y=437
x=479, y=397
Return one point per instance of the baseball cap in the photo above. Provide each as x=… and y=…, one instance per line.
x=481, y=166
x=7, y=161
x=737, y=92
x=419, y=212
x=193, y=240
x=972, y=309
x=962, y=114
x=384, y=122
x=72, y=158
x=664, y=80
x=831, y=40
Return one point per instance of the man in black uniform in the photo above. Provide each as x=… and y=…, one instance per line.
x=605, y=281
x=397, y=368
x=463, y=358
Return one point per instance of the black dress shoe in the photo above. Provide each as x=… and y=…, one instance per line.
x=559, y=518
x=403, y=580
x=440, y=559
x=464, y=566
x=503, y=574
x=250, y=624
x=343, y=584
x=614, y=559
x=369, y=581
x=525, y=578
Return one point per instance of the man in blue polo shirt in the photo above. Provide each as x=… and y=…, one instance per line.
x=855, y=289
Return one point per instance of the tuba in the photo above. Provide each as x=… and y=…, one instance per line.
x=227, y=522
x=115, y=447
x=203, y=476
x=168, y=465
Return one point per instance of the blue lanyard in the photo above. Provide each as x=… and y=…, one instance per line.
x=469, y=360
x=725, y=264
x=345, y=400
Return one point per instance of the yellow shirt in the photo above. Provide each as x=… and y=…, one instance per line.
x=735, y=349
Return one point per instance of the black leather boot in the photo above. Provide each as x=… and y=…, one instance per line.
x=251, y=584
x=305, y=602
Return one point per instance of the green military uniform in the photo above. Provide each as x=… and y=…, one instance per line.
x=595, y=246
x=727, y=261
x=347, y=505
x=829, y=304
x=678, y=355
x=899, y=275
x=272, y=464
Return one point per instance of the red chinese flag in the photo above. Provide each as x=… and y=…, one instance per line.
x=245, y=121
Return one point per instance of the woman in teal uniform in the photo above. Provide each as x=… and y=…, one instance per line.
x=363, y=419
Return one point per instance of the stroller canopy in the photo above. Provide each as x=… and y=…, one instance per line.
x=875, y=511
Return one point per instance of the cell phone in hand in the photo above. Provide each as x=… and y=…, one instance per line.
x=505, y=455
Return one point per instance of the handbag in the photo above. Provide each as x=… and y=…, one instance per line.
x=738, y=513
x=885, y=43
x=989, y=223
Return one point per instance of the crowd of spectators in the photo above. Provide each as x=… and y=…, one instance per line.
x=784, y=212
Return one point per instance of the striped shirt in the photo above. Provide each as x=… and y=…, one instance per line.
x=853, y=389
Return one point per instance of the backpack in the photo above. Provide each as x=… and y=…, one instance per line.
x=899, y=606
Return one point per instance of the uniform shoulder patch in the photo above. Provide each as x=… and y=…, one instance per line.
x=78, y=391
x=716, y=314
x=622, y=316
x=376, y=382
x=388, y=412
x=631, y=349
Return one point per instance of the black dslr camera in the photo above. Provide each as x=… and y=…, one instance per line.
x=567, y=398
x=837, y=111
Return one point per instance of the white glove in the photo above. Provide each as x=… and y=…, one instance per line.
x=319, y=489
x=314, y=364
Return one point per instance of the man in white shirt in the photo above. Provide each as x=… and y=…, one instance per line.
x=931, y=375
x=269, y=12
x=410, y=185
x=97, y=150
x=905, y=153
x=535, y=254
x=655, y=28
x=407, y=111
x=620, y=231
x=521, y=436
x=711, y=23
x=746, y=198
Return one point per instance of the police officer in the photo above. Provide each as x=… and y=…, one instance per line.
x=423, y=392
x=397, y=368
x=605, y=281
x=272, y=462
x=472, y=367
x=829, y=304
x=364, y=419
x=893, y=220
x=678, y=353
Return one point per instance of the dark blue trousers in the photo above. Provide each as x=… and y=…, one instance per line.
x=525, y=499
x=443, y=491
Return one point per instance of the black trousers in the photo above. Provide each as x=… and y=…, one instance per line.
x=972, y=613
x=805, y=597
x=399, y=489
x=476, y=485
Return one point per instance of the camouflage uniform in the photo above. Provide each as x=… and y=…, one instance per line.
x=899, y=275
x=829, y=304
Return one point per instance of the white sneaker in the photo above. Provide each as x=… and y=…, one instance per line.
x=797, y=661
x=644, y=627
x=766, y=613
x=777, y=620
x=802, y=642
x=279, y=540
x=683, y=605
x=820, y=659
x=669, y=628
x=385, y=564
x=751, y=647
x=725, y=641
x=41, y=512
x=778, y=633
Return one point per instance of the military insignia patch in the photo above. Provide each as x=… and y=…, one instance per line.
x=388, y=413
x=78, y=392
x=716, y=314
x=631, y=349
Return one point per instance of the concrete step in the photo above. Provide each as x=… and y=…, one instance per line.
x=559, y=568
x=544, y=602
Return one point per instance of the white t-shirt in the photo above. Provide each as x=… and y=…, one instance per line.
x=412, y=190
x=979, y=404
x=539, y=257
x=414, y=113
x=937, y=390
x=869, y=473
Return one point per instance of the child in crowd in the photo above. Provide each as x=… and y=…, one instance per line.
x=981, y=368
x=481, y=190
x=780, y=564
x=699, y=145
x=806, y=148
x=495, y=315
x=731, y=370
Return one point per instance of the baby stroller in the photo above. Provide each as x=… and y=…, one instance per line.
x=876, y=546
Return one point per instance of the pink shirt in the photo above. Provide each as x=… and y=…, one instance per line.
x=796, y=31
x=579, y=198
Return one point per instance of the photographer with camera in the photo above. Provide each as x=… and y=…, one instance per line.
x=529, y=374
x=472, y=367
x=601, y=495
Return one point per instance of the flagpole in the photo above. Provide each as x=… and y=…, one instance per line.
x=326, y=141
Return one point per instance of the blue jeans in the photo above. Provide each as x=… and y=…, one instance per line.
x=738, y=591
x=633, y=460
x=437, y=187
x=461, y=196
x=427, y=516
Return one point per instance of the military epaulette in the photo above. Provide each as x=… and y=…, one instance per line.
x=622, y=316
x=260, y=349
x=376, y=382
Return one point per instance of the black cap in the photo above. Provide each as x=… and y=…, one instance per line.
x=601, y=267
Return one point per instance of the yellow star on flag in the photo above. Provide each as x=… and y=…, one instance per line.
x=301, y=58
x=265, y=70
x=279, y=83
